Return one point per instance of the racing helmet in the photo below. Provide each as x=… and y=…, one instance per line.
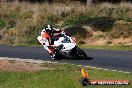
x=49, y=29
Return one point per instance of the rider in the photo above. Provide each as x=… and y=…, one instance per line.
x=48, y=33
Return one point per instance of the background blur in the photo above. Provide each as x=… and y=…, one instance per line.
x=92, y=22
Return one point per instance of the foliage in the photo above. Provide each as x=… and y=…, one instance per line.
x=27, y=19
x=2, y=23
x=121, y=30
x=78, y=31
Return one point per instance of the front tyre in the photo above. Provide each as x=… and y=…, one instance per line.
x=79, y=53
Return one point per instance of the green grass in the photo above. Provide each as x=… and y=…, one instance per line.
x=2, y=23
x=87, y=47
x=64, y=76
x=124, y=47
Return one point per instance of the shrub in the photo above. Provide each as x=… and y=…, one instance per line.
x=76, y=20
x=29, y=18
x=26, y=15
x=27, y=34
x=52, y=19
x=121, y=30
x=9, y=36
x=11, y=23
x=2, y=23
x=78, y=31
x=103, y=24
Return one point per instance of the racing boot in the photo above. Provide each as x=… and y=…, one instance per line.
x=53, y=55
x=58, y=48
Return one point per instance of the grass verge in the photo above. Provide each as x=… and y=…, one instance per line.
x=63, y=76
x=125, y=47
x=86, y=46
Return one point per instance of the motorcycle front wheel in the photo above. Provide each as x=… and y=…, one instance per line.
x=79, y=53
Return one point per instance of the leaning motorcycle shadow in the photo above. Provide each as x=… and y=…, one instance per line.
x=88, y=58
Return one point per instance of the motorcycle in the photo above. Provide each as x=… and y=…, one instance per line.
x=65, y=47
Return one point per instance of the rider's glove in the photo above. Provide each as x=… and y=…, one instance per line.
x=62, y=32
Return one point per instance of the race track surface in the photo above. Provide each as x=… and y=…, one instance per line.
x=109, y=59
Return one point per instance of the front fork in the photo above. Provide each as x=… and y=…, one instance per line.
x=73, y=52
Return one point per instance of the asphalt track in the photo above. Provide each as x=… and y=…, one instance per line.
x=109, y=59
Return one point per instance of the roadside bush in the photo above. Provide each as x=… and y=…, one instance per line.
x=52, y=19
x=26, y=15
x=29, y=18
x=103, y=24
x=76, y=20
x=9, y=36
x=121, y=30
x=2, y=23
x=78, y=31
x=27, y=34
x=10, y=23
x=120, y=11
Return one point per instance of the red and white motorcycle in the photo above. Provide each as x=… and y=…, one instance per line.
x=66, y=47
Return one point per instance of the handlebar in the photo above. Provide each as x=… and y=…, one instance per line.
x=65, y=34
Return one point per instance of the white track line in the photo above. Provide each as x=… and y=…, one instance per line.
x=113, y=70
x=80, y=65
x=127, y=72
x=99, y=68
x=41, y=61
x=105, y=69
x=87, y=66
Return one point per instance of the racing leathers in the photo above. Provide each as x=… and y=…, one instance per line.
x=50, y=38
